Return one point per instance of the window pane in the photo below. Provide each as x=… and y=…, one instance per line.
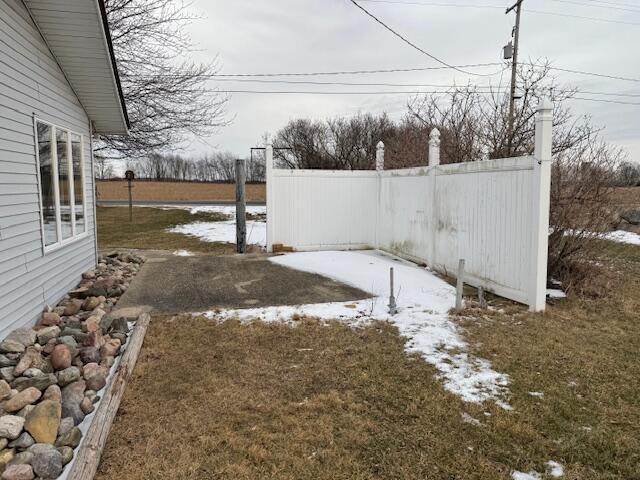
x=47, y=185
x=78, y=187
x=64, y=183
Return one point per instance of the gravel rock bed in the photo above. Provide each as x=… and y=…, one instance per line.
x=51, y=374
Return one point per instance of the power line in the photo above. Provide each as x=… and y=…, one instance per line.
x=313, y=92
x=389, y=70
x=357, y=84
x=609, y=7
x=413, y=45
x=343, y=72
x=538, y=12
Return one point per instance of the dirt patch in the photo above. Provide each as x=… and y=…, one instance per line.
x=177, y=191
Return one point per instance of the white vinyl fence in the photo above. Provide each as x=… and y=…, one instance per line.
x=494, y=214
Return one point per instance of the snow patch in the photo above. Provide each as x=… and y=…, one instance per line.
x=183, y=253
x=555, y=469
x=423, y=299
x=532, y=475
x=555, y=293
x=224, y=231
x=623, y=236
x=536, y=394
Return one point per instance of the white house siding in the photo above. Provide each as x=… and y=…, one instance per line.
x=32, y=83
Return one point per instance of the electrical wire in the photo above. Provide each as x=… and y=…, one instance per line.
x=413, y=45
x=538, y=12
x=609, y=7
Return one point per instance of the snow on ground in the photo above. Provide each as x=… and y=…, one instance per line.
x=224, y=231
x=555, y=469
x=555, y=293
x=623, y=236
x=423, y=303
x=532, y=475
x=183, y=253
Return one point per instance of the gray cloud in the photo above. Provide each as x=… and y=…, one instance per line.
x=328, y=35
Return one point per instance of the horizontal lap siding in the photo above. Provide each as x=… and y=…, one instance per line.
x=31, y=83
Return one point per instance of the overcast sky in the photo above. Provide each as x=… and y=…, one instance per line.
x=333, y=35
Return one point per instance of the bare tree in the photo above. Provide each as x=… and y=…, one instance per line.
x=628, y=175
x=165, y=93
x=103, y=168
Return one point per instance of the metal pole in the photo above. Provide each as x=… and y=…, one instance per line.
x=514, y=69
x=130, y=201
x=460, y=284
x=393, y=308
x=241, y=215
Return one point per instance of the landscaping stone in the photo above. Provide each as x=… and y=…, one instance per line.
x=89, y=274
x=70, y=439
x=30, y=357
x=41, y=383
x=25, y=336
x=107, y=362
x=11, y=426
x=72, y=396
x=43, y=422
x=53, y=392
x=18, y=472
x=47, y=460
x=50, y=319
x=47, y=333
x=66, y=424
x=3, y=443
x=120, y=336
x=72, y=307
x=90, y=303
x=70, y=342
x=24, y=441
x=11, y=346
x=5, y=390
x=67, y=454
x=90, y=354
x=79, y=292
x=6, y=456
x=87, y=406
x=92, y=324
x=22, y=458
x=67, y=376
x=95, y=376
x=78, y=335
x=33, y=372
x=61, y=357
x=6, y=361
x=110, y=349
x=25, y=411
x=6, y=373
x=20, y=400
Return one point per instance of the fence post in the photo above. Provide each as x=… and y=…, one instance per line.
x=434, y=147
x=434, y=161
x=379, y=170
x=542, y=193
x=241, y=207
x=270, y=195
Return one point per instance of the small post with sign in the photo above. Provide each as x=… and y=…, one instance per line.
x=129, y=175
x=241, y=216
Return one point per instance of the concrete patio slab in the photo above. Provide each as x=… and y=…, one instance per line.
x=173, y=284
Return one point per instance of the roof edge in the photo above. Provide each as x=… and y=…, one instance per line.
x=114, y=65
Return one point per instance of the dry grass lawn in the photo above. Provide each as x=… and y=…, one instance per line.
x=148, y=229
x=267, y=401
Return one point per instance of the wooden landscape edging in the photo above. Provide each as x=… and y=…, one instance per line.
x=88, y=456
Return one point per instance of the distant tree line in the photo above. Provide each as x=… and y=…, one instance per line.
x=213, y=167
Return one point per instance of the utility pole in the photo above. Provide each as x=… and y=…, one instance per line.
x=516, y=36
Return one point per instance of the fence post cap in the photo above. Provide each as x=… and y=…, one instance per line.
x=380, y=145
x=434, y=136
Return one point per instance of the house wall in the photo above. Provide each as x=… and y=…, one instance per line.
x=31, y=83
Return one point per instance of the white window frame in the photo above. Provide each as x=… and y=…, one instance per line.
x=56, y=186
